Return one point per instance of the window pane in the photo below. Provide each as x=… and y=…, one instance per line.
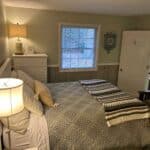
x=74, y=63
x=88, y=53
x=89, y=43
x=75, y=32
x=66, y=63
x=74, y=54
x=90, y=33
x=66, y=54
x=78, y=47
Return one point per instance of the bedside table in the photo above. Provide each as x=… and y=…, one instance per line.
x=144, y=95
x=33, y=64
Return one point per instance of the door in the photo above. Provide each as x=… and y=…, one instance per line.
x=134, y=61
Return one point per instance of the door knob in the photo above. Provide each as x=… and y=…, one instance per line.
x=121, y=69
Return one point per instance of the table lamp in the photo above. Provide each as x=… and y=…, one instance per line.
x=11, y=99
x=17, y=30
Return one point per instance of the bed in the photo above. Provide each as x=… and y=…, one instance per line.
x=79, y=123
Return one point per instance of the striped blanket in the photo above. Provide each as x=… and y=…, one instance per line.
x=119, y=106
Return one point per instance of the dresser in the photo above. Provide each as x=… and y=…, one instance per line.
x=33, y=64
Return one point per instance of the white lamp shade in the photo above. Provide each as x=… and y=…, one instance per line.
x=11, y=96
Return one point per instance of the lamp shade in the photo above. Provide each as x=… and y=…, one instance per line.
x=11, y=96
x=17, y=30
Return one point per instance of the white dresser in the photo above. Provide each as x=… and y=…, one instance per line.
x=33, y=64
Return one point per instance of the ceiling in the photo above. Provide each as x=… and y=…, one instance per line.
x=113, y=7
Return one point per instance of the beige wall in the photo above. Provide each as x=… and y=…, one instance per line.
x=143, y=22
x=43, y=30
x=2, y=34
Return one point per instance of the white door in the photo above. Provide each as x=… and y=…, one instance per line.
x=134, y=61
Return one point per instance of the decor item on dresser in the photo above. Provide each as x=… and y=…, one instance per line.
x=33, y=64
x=11, y=99
x=17, y=30
x=110, y=40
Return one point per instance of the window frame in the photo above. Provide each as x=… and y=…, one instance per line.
x=97, y=27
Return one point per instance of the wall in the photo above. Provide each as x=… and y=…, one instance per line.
x=143, y=22
x=43, y=35
x=2, y=34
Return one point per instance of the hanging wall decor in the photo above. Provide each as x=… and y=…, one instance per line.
x=109, y=41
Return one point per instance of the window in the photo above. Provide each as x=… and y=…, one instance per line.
x=78, y=47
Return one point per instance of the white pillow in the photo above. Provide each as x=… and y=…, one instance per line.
x=26, y=78
x=31, y=101
x=44, y=93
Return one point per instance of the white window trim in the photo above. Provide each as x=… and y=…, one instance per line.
x=96, y=48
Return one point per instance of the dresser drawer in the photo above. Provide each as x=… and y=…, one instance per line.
x=30, y=61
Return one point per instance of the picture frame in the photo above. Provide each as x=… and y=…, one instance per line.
x=110, y=41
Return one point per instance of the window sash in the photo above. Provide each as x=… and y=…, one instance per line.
x=85, y=60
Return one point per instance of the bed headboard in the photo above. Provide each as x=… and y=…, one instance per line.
x=5, y=68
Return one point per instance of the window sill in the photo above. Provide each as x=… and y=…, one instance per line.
x=78, y=70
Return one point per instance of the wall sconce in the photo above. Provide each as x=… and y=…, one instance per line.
x=17, y=30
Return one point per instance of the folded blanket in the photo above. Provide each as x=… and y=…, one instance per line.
x=117, y=96
x=97, y=87
x=120, y=111
x=92, y=82
x=119, y=106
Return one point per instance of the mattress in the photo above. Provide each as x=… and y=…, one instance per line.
x=79, y=123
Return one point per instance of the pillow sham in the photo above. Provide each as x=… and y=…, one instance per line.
x=18, y=122
x=44, y=94
x=31, y=101
x=26, y=78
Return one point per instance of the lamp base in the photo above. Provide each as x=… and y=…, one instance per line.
x=19, y=50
